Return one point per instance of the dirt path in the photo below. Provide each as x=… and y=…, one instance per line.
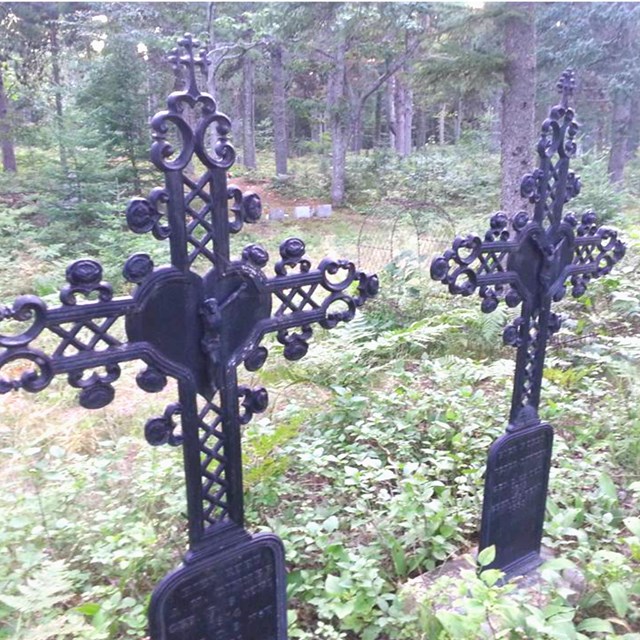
x=271, y=199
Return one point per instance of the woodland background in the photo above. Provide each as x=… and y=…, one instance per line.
x=417, y=120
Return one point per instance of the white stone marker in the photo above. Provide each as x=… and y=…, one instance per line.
x=302, y=212
x=323, y=210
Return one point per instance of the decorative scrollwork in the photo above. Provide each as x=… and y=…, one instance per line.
x=29, y=380
x=253, y=401
x=347, y=310
x=144, y=215
x=85, y=277
x=162, y=149
x=532, y=264
x=246, y=208
x=189, y=61
x=25, y=308
x=159, y=431
x=96, y=389
x=329, y=268
x=224, y=153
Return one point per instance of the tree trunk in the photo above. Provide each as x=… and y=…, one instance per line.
x=633, y=141
x=356, y=130
x=211, y=69
x=518, y=103
x=279, y=110
x=57, y=90
x=336, y=103
x=377, y=121
x=403, y=111
x=407, y=121
x=248, y=112
x=457, y=129
x=421, y=128
x=391, y=112
x=6, y=136
x=442, y=117
x=620, y=118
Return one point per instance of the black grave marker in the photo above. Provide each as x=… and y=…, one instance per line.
x=529, y=262
x=238, y=593
x=197, y=329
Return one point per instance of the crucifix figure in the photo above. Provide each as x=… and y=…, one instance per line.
x=197, y=327
x=529, y=261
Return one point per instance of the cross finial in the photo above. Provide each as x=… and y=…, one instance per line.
x=189, y=61
x=566, y=84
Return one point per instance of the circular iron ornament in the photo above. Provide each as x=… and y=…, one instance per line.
x=489, y=302
x=296, y=349
x=439, y=269
x=292, y=249
x=32, y=381
x=295, y=344
x=256, y=255
x=141, y=215
x=137, y=267
x=151, y=380
x=369, y=286
x=251, y=207
x=96, y=396
x=520, y=220
x=25, y=309
x=256, y=359
x=82, y=273
x=157, y=431
x=84, y=276
x=254, y=401
x=498, y=221
x=511, y=336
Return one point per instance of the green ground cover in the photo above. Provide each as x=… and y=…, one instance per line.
x=368, y=462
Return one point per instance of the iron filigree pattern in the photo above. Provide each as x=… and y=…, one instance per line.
x=195, y=327
x=530, y=261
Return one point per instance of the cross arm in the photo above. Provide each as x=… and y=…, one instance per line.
x=85, y=340
x=298, y=298
x=596, y=250
x=475, y=264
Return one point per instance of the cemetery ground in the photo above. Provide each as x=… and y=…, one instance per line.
x=369, y=460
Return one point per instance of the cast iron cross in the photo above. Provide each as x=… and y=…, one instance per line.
x=531, y=264
x=195, y=328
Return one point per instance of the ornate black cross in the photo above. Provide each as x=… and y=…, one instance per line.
x=530, y=264
x=196, y=327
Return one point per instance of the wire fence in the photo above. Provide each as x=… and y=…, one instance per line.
x=385, y=240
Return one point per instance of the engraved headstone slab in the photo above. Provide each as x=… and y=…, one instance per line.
x=515, y=494
x=236, y=594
